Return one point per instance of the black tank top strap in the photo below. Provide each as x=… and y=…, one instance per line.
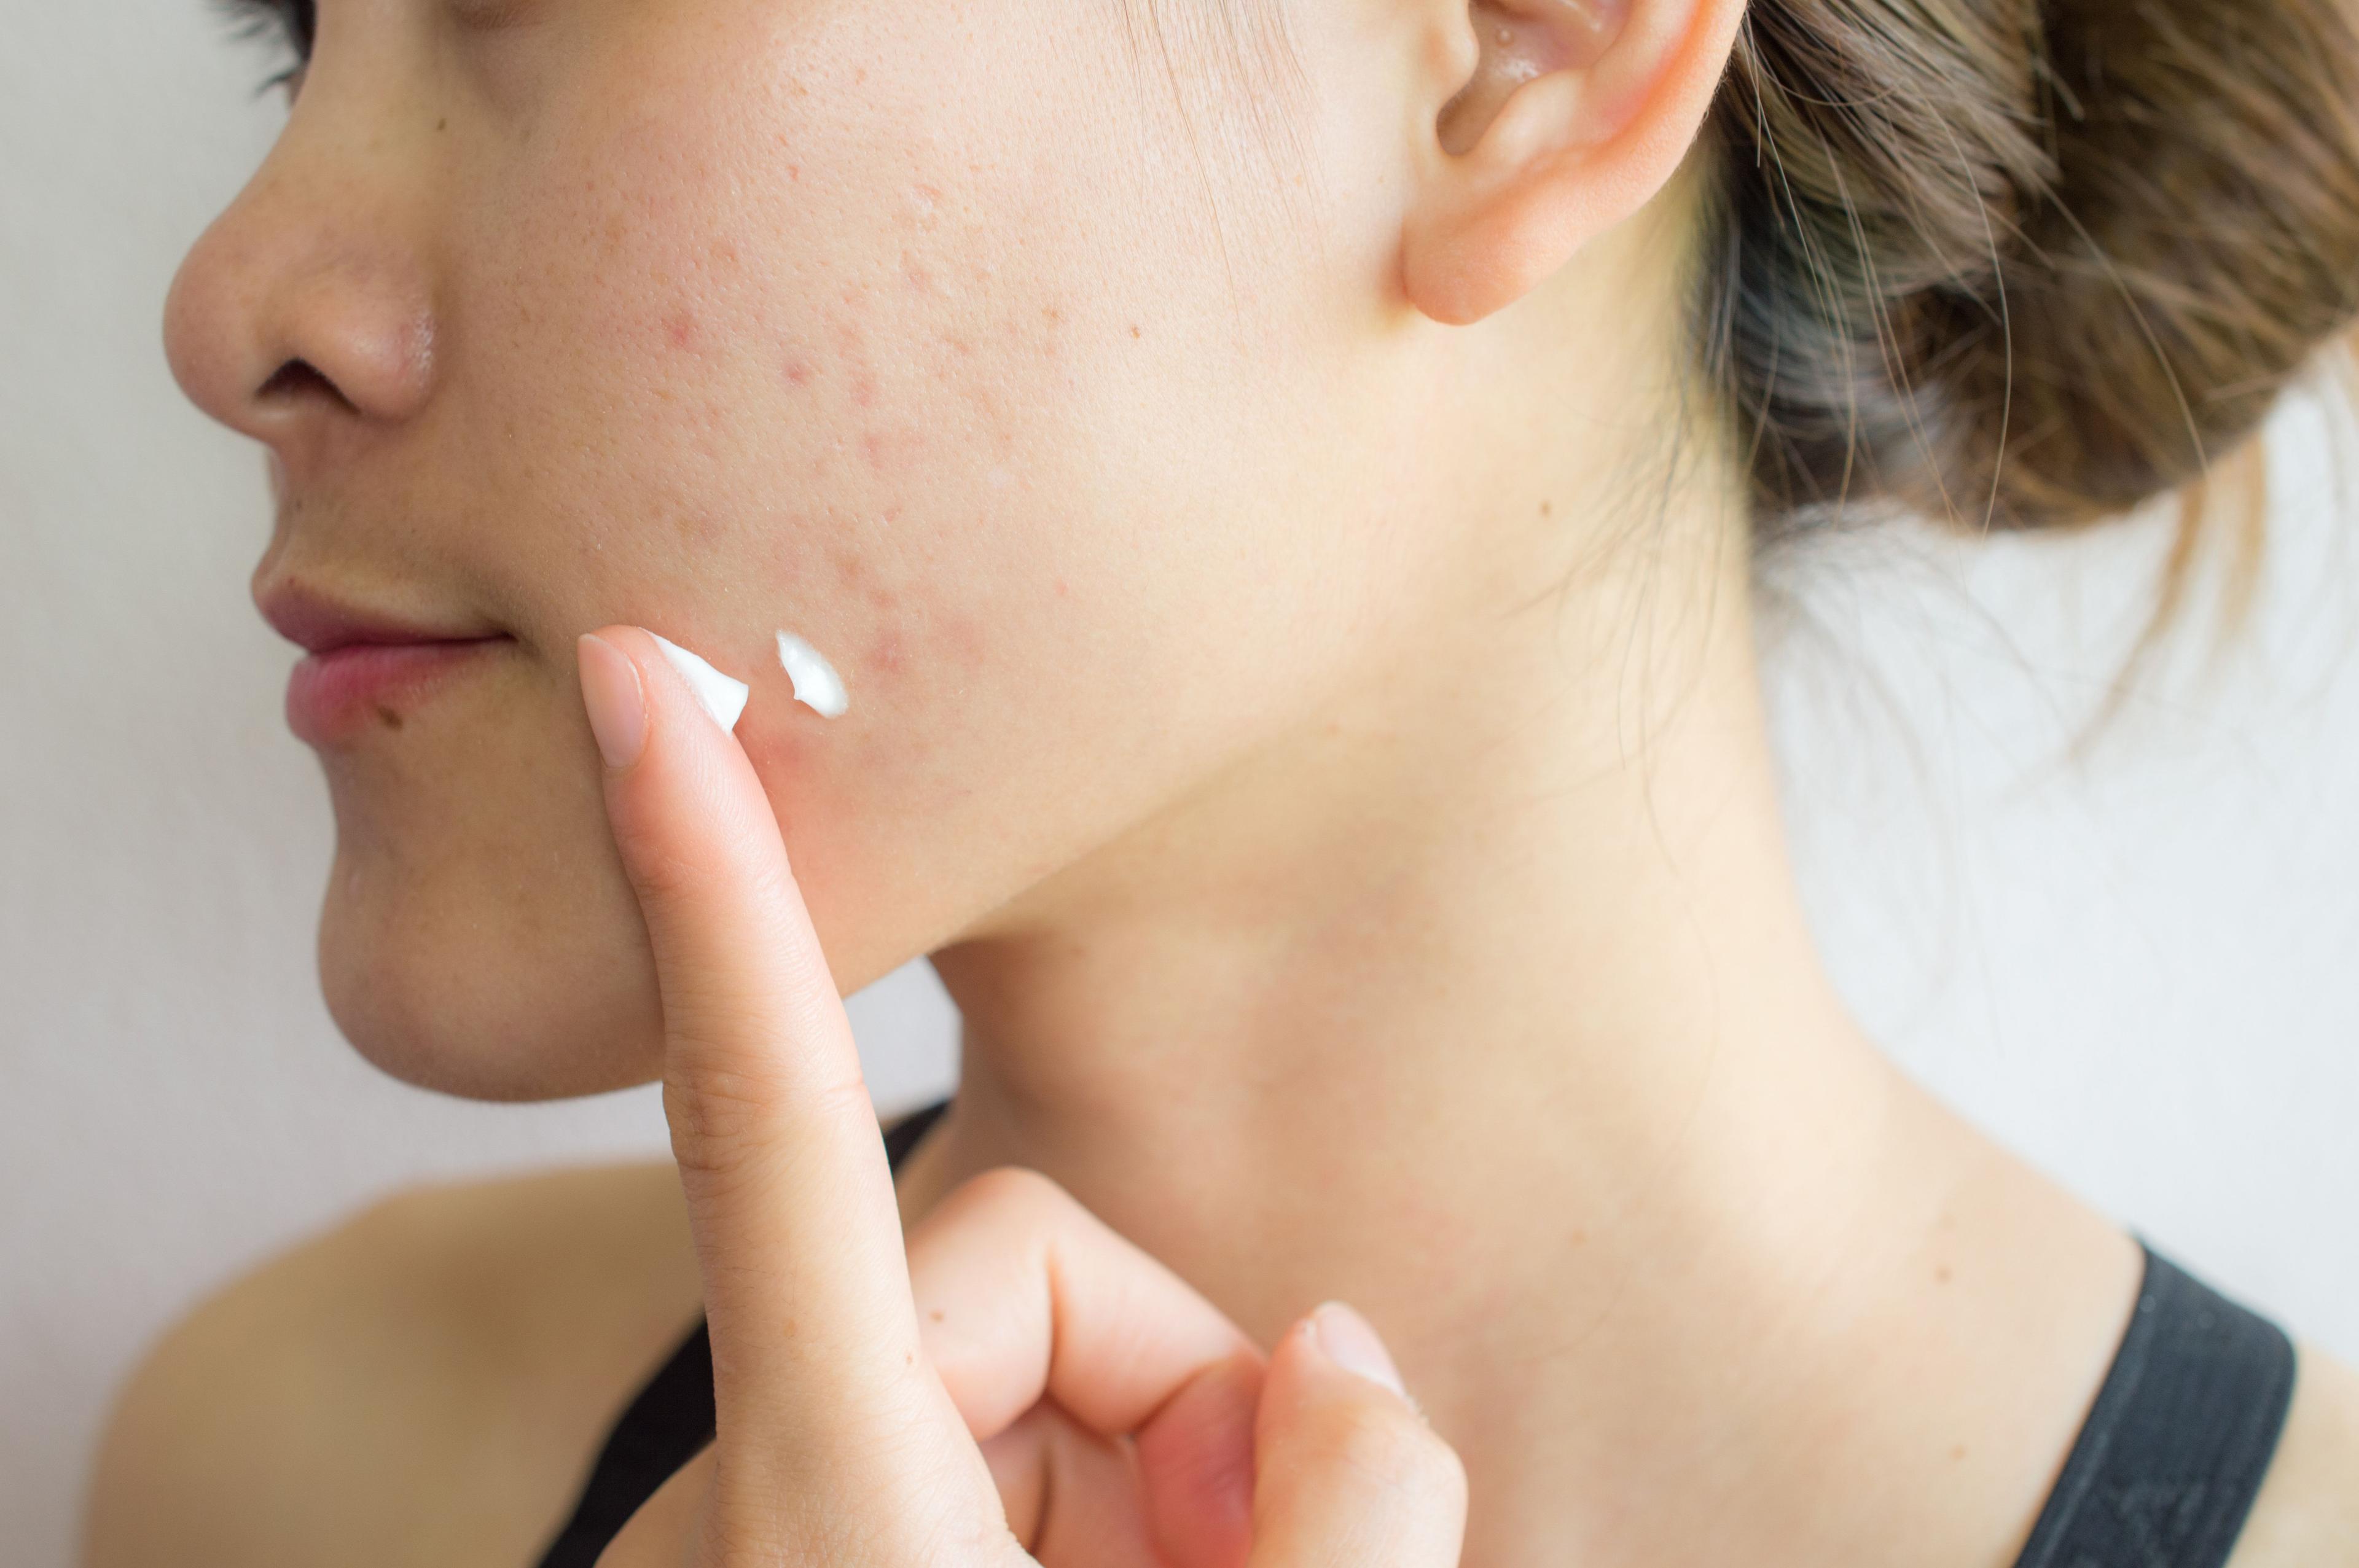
x=2164, y=1471
x=670, y=1421
x=2175, y=1447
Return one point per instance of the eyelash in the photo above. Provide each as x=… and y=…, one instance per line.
x=291, y=23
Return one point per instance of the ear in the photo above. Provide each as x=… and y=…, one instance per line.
x=1565, y=116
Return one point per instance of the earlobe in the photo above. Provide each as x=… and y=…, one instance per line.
x=1577, y=113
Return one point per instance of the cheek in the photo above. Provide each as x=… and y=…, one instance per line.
x=796, y=373
x=762, y=341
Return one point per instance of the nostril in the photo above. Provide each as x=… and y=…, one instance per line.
x=297, y=379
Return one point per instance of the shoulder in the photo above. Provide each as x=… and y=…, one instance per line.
x=465, y=1341
x=2306, y=1515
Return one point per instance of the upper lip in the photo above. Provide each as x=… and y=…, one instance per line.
x=319, y=624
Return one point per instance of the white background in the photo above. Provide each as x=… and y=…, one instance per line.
x=2138, y=970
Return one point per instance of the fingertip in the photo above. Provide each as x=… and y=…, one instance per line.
x=614, y=699
x=1336, y=1331
x=1343, y=1453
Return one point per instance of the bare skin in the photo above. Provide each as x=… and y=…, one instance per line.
x=1342, y=813
x=596, y=1279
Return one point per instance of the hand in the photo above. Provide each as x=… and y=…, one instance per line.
x=1061, y=1394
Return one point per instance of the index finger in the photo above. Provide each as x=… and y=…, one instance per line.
x=789, y=1195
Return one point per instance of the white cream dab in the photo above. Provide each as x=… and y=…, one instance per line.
x=717, y=694
x=817, y=685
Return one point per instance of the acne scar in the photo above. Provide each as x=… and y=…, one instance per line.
x=773, y=750
x=963, y=638
x=798, y=371
x=680, y=328
x=885, y=653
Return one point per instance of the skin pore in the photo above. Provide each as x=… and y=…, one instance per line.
x=1296, y=697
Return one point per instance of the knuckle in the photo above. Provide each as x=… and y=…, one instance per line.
x=1016, y=1193
x=657, y=871
x=726, y=1100
x=714, y=1113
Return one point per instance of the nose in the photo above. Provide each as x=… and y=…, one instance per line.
x=305, y=311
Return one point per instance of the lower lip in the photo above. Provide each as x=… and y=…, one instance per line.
x=336, y=695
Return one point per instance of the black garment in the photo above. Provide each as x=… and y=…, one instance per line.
x=2164, y=1471
x=2174, y=1449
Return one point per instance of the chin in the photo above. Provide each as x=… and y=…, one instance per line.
x=446, y=982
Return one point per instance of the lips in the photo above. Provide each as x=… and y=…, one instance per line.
x=364, y=671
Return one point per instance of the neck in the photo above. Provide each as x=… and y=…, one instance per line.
x=1484, y=1000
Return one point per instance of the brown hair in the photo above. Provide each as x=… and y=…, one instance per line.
x=2023, y=264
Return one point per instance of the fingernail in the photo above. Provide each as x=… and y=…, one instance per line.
x=609, y=691
x=1353, y=1345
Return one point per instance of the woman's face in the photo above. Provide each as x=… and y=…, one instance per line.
x=1040, y=364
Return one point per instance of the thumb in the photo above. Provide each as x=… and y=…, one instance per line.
x=1346, y=1471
